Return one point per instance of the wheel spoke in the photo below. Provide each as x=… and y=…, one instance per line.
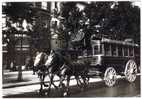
x=110, y=76
x=130, y=71
x=110, y=82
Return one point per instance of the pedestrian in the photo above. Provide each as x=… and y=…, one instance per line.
x=11, y=66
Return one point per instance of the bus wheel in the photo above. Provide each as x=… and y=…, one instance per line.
x=110, y=76
x=130, y=71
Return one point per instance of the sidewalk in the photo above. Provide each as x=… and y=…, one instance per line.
x=10, y=79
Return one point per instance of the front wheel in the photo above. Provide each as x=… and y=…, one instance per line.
x=110, y=76
x=130, y=71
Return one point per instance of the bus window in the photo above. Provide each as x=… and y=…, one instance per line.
x=137, y=52
x=107, y=50
x=85, y=53
x=131, y=52
x=125, y=51
x=120, y=53
x=97, y=49
x=89, y=52
x=114, y=51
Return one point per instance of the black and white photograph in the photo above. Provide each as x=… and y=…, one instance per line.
x=71, y=49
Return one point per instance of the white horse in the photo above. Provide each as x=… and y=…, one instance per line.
x=47, y=65
x=40, y=68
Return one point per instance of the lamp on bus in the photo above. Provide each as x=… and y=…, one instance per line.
x=129, y=40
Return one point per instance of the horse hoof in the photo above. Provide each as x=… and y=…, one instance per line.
x=62, y=86
x=40, y=91
x=65, y=94
x=46, y=93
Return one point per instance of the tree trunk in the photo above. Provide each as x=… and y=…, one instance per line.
x=20, y=78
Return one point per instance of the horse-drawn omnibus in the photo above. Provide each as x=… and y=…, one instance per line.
x=109, y=58
x=106, y=58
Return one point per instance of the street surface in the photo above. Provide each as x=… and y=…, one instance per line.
x=96, y=88
x=121, y=89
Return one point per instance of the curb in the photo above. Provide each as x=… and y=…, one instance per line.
x=26, y=84
x=19, y=85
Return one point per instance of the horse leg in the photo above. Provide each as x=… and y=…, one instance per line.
x=51, y=76
x=52, y=82
x=45, y=85
x=33, y=70
x=85, y=78
x=66, y=93
x=78, y=81
x=84, y=82
x=41, y=84
x=61, y=85
x=62, y=77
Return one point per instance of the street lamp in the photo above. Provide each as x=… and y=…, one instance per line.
x=24, y=25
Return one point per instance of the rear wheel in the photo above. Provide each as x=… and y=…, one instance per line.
x=110, y=76
x=130, y=71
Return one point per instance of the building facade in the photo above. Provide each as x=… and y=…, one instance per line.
x=25, y=44
x=55, y=25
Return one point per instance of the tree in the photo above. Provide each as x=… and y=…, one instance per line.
x=71, y=25
x=118, y=20
x=41, y=30
x=16, y=13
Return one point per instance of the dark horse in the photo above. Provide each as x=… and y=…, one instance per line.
x=59, y=62
x=79, y=69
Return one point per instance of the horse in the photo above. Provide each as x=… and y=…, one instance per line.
x=60, y=63
x=53, y=64
x=39, y=67
x=77, y=69
x=48, y=65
